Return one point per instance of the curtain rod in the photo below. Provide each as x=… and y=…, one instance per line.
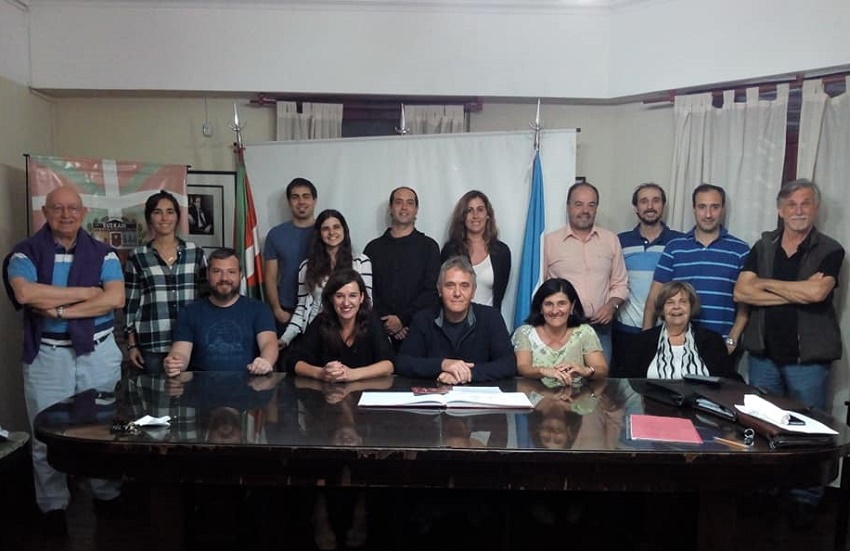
x=469, y=104
x=796, y=82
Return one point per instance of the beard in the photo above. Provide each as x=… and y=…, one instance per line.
x=649, y=221
x=218, y=295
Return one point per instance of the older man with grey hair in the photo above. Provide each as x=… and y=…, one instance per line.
x=457, y=342
x=792, y=336
x=67, y=284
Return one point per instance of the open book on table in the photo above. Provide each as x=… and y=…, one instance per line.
x=458, y=397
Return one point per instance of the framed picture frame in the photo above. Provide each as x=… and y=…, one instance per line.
x=211, y=199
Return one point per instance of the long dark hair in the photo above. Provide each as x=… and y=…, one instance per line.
x=328, y=319
x=457, y=225
x=318, y=259
x=549, y=288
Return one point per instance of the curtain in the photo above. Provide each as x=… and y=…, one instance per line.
x=434, y=119
x=315, y=122
x=740, y=146
x=823, y=155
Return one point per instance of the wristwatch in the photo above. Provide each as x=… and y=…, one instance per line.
x=60, y=312
x=730, y=341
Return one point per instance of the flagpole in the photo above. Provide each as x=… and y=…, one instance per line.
x=246, y=238
x=531, y=268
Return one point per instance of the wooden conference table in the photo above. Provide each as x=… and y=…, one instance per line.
x=276, y=430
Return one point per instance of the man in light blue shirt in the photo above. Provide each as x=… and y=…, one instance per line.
x=642, y=247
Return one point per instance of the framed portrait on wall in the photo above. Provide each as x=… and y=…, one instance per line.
x=211, y=196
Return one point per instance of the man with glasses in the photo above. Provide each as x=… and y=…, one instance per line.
x=68, y=285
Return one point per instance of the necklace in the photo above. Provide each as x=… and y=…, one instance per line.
x=169, y=254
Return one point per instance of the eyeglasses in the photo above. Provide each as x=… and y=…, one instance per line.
x=70, y=209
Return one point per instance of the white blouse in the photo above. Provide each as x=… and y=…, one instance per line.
x=484, y=279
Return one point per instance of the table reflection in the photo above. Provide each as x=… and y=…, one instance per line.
x=215, y=407
x=238, y=409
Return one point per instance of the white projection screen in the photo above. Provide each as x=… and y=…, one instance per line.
x=356, y=175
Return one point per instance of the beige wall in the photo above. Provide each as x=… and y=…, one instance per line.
x=618, y=147
x=165, y=130
x=26, y=122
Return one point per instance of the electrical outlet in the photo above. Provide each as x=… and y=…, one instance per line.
x=206, y=130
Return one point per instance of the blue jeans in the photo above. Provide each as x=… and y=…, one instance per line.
x=603, y=331
x=803, y=382
x=55, y=374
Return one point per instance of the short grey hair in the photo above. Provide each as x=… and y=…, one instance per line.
x=461, y=263
x=789, y=188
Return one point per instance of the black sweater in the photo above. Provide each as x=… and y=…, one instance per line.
x=404, y=274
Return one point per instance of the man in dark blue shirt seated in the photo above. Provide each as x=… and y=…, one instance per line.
x=457, y=342
x=225, y=331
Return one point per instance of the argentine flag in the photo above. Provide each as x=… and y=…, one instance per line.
x=529, y=268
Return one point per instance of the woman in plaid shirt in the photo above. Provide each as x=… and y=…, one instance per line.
x=161, y=276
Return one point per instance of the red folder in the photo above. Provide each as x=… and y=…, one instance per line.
x=663, y=429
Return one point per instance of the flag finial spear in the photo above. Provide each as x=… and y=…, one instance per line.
x=402, y=129
x=236, y=126
x=537, y=127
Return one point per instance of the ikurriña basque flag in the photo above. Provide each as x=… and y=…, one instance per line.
x=246, y=238
x=535, y=223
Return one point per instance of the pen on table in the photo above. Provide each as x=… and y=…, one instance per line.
x=732, y=443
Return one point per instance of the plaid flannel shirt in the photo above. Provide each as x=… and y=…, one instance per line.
x=156, y=291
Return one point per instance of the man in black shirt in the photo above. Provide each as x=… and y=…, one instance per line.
x=405, y=263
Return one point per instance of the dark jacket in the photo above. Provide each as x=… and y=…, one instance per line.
x=485, y=342
x=819, y=336
x=404, y=274
x=709, y=344
x=500, y=257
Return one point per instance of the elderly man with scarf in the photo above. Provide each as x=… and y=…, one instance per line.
x=68, y=285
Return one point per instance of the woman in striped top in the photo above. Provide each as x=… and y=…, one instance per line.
x=330, y=250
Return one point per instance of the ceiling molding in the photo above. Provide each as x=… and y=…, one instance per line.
x=511, y=6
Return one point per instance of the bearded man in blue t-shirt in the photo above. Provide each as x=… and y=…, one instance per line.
x=225, y=331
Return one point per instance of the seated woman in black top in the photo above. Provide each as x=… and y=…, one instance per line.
x=345, y=342
x=677, y=347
